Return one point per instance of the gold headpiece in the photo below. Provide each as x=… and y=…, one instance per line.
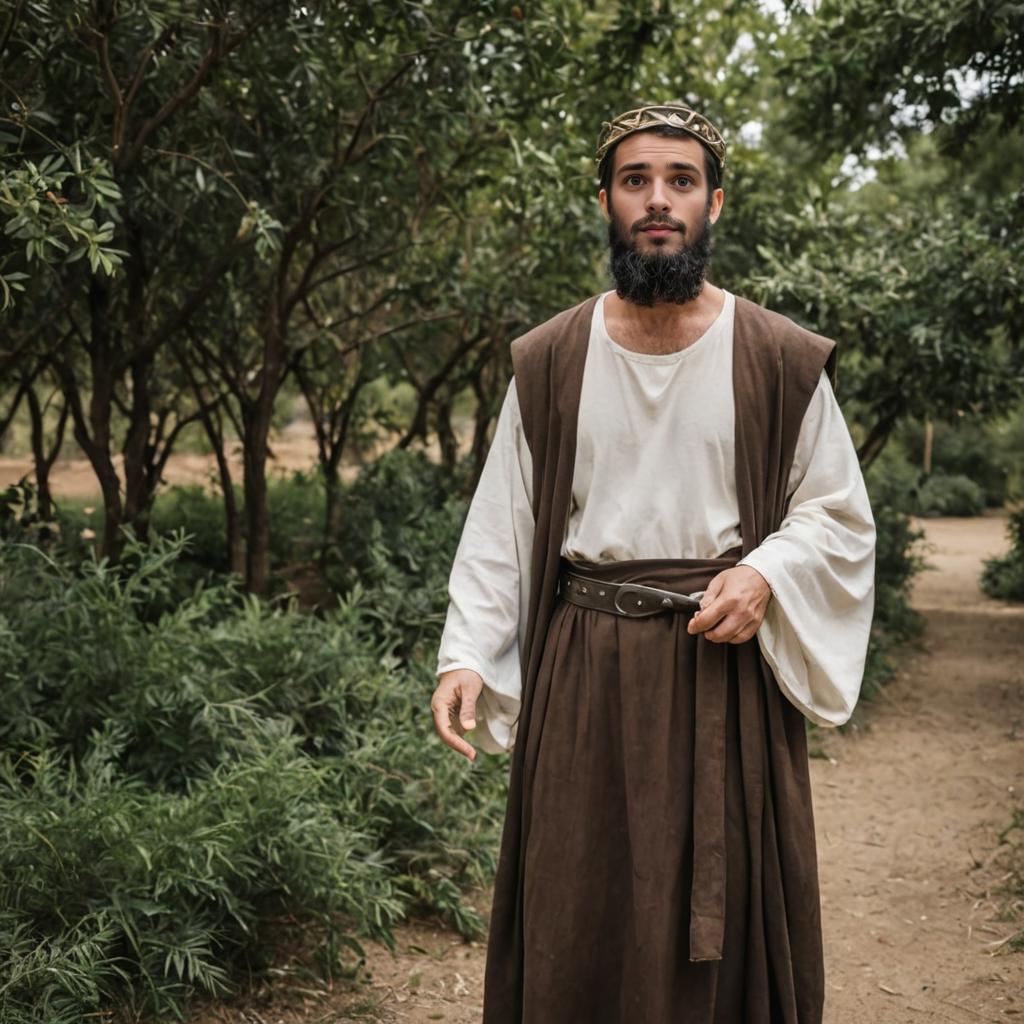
x=674, y=115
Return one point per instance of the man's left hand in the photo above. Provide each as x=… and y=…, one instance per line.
x=733, y=606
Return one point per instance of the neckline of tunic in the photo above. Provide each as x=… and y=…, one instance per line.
x=702, y=343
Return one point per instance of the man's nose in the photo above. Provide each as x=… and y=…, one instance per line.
x=658, y=201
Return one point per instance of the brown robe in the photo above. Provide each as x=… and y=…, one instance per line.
x=741, y=870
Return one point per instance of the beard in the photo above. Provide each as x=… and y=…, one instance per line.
x=648, y=278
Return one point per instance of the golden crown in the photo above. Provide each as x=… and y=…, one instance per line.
x=673, y=115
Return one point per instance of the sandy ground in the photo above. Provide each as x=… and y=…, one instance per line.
x=908, y=807
x=292, y=448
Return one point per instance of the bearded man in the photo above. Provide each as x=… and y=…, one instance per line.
x=667, y=566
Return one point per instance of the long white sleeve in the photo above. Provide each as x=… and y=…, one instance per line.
x=489, y=585
x=820, y=566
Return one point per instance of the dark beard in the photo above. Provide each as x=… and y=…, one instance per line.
x=650, y=278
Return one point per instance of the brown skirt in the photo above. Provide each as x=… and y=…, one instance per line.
x=668, y=863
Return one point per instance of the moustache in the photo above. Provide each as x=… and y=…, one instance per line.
x=657, y=222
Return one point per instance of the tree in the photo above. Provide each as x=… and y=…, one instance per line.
x=862, y=71
x=925, y=299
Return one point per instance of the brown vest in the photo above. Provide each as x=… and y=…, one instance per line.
x=776, y=368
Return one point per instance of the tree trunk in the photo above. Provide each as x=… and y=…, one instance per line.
x=138, y=452
x=92, y=429
x=140, y=488
x=257, y=418
x=8, y=417
x=44, y=460
x=446, y=438
x=232, y=523
x=929, y=444
x=332, y=511
x=332, y=468
x=876, y=440
x=257, y=518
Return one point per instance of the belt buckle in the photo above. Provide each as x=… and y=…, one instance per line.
x=668, y=601
x=627, y=590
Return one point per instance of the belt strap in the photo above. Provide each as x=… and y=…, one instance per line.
x=707, y=893
x=630, y=599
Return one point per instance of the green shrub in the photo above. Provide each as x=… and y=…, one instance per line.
x=942, y=495
x=174, y=891
x=181, y=776
x=898, y=483
x=295, y=507
x=1003, y=577
x=965, y=449
x=897, y=561
x=401, y=523
x=1007, y=434
x=200, y=513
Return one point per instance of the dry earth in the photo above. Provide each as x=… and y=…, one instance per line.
x=908, y=805
x=292, y=448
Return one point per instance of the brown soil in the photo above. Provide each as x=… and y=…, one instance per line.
x=908, y=805
x=292, y=448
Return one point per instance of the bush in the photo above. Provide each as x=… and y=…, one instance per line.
x=967, y=448
x=295, y=507
x=897, y=482
x=942, y=495
x=897, y=561
x=181, y=779
x=401, y=524
x=200, y=514
x=1003, y=577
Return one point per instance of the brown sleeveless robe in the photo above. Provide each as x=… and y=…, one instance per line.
x=748, y=742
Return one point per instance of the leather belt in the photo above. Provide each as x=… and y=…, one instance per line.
x=630, y=599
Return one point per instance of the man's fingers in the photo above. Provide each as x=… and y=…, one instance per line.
x=454, y=708
x=709, y=616
x=712, y=591
x=443, y=715
x=726, y=630
x=467, y=712
x=733, y=629
x=459, y=744
x=722, y=630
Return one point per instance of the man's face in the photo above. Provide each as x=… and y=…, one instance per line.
x=659, y=214
x=659, y=192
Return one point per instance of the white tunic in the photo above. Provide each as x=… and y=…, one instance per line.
x=654, y=477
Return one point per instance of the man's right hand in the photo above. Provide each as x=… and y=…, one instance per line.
x=454, y=707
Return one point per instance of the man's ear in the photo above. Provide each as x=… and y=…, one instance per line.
x=717, y=200
x=602, y=198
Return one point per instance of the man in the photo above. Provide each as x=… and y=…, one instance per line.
x=666, y=567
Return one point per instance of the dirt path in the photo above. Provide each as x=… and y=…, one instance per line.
x=292, y=448
x=908, y=808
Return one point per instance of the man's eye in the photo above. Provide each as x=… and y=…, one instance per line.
x=683, y=177
x=633, y=179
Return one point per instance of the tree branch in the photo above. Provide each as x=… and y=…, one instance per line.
x=221, y=46
x=103, y=53
x=433, y=384
x=174, y=321
x=9, y=27
x=5, y=422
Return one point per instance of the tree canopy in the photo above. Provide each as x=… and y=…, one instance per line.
x=208, y=209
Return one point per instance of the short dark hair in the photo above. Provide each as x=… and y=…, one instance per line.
x=712, y=169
